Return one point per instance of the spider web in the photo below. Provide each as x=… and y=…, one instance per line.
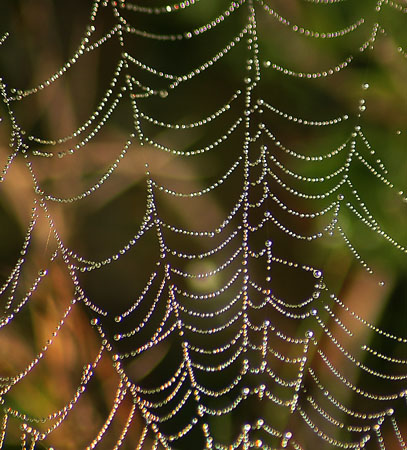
x=203, y=266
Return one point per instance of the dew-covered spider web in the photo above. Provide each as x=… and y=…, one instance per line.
x=203, y=224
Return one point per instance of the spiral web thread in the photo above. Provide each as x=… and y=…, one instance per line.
x=239, y=343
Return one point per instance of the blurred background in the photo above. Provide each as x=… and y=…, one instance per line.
x=43, y=36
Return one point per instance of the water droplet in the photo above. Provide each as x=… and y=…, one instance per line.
x=317, y=274
x=365, y=86
x=163, y=93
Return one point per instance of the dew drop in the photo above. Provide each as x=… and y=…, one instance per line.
x=260, y=422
